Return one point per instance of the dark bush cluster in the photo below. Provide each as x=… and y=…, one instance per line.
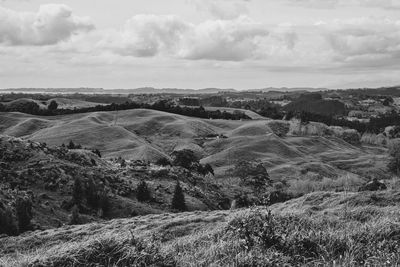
x=96, y=196
x=11, y=224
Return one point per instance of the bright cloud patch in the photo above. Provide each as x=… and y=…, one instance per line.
x=227, y=40
x=50, y=25
x=365, y=38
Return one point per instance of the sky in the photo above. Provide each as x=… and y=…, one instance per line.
x=241, y=44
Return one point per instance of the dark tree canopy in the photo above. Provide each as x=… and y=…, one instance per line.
x=143, y=192
x=23, y=208
x=77, y=191
x=8, y=223
x=252, y=173
x=185, y=158
x=394, y=161
x=178, y=200
x=53, y=105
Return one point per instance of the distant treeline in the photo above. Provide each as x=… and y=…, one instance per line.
x=162, y=105
x=375, y=125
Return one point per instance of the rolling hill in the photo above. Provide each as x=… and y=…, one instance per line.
x=148, y=135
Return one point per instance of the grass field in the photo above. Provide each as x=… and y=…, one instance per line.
x=319, y=229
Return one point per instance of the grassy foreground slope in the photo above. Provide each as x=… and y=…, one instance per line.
x=318, y=229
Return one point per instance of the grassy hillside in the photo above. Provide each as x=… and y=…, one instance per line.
x=319, y=229
x=47, y=176
x=149, y=135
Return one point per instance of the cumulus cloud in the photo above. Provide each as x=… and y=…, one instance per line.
x=51, y=24
x=385, y=4
x=364, y=39
x=222, y=9
x=227, y=40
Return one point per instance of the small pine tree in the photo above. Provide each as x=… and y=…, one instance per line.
x=8, y=224
x=75, y=217
x=77, y=192
x=92, y=195
x=178, y=200
x=143, y=192
x=104, y=203
x=71, y=145
x=24, y=213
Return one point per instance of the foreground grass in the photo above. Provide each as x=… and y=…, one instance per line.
x=320, y=229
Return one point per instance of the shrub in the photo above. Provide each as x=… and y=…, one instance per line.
x=104, y=203
x=252, y=173
x=394, y=161
x=23, y=209
x=8, y=224
x=142, y=192
x=163, y=162
x=178, y=200
x=92, y=195
x=77, y=191
x=52, y=106
x=185, y=158
x=75, y=217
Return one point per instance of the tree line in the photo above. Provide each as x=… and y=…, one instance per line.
x=162, y=105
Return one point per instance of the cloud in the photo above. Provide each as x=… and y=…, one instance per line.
x=222, y=9
x=234, y=40
x=364, y=40
x=51, y=24
x=384, y=4
x=225, y=40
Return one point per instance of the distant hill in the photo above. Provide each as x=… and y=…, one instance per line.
x=315, y=104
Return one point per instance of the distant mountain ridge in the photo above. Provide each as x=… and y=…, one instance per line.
x=152, y=90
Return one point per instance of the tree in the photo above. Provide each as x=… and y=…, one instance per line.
x=52, y=106
x=205, y=169
x=23, y=209
x=77, y=191
x=8, y=224
x=178, y=200
x=104, y=203
x=163, y=162
x=92, y=195
x=394, y=161
x=75, y=217
x=252, y=173
x=185, y=158
x=71, y=145
x=142, y=192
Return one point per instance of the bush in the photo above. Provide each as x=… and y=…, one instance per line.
x=163, y=162
x=77, y=192
x=142, y=192
x=8, y=224
x=23, y=209
x=252, y=173
x=185, y=158
x=52, y=106
x=178, y=200
x=75, y=217
x=394, y=161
